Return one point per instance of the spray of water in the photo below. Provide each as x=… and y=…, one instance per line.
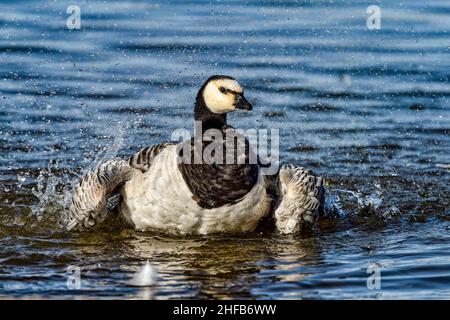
x=55, y=183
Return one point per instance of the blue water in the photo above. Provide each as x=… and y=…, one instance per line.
x=367, y=109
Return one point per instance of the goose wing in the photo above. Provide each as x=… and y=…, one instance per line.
x=300, y=194
x=91, y=194
x=142, y=159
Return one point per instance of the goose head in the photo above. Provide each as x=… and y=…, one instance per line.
x=218, y=96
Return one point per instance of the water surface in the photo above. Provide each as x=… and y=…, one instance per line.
x=366, y=109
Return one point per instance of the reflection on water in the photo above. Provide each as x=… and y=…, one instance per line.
x=368, y=110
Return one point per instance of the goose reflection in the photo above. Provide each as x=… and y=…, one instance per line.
x=223, y=267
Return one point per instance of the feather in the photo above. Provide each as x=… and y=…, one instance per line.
x=301, y=198
x=91, y=195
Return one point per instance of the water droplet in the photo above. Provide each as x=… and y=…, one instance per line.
x=146, y=276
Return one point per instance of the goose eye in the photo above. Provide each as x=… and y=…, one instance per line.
x=223, y=90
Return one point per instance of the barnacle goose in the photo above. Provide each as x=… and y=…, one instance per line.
x=159, y=192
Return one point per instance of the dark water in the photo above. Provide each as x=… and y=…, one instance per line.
x=367, y=109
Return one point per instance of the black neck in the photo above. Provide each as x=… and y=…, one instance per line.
x=208, y=119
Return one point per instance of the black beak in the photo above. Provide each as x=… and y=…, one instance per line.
x=242, y=103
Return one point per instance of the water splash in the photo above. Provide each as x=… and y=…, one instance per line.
x=55, y=183
x=146, y=276
x=364, y=203
x=333, y=206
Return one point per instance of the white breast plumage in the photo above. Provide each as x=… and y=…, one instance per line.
x=160, y=200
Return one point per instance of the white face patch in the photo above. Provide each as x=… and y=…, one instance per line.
x=216, y=100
